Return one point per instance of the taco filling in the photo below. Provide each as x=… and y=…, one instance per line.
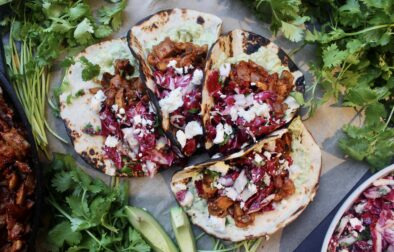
x=369, y=224
x=248, y=102
x=178, y=72
x=129, y=124
x=243, y=187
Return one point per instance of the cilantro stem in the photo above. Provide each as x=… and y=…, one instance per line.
x=200, y=236
x=389, y=119
x=296, y=50
x=368, y=29
x=31, y=83
x=224, y=249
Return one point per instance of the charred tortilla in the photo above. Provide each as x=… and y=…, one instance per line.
x=110, y=119
x=172, y=46
x=254, y=192
x=248, y=91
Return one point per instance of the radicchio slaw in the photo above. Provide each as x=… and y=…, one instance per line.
x=129, y=123
x=248, y=103
x=368, y=225
x=245, y=186
x=178, y=73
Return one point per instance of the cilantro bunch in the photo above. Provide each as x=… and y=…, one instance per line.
x=355, y=45
x=88, y=214
x=39, y=32
x=55, y=26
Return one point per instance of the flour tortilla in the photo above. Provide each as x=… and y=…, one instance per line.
x=77, y=111
x=305, y=153
x=153, y=29
x=244, y=45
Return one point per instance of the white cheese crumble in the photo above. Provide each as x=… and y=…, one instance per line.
x=128, y=135
x=219, y=134
x=231, y=193
x=228, y=129
x=122, y=111
x=193, y=129
x=172, y=102
x=240, y=182
x=137, y=119
x=359, y=208
x=181, y=137
x=225, y=70
x=97, y=100
x=115, y=108
x=233, y=113
x=354, y=222
x=248, y=115
x=267, y=155
x=111, y=141
x=258, y=158
x=178, y=70
x=197, y=77
x=249, y=191
x=172, y=64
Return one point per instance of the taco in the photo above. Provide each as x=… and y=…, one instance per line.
x=110, y=119
x=254, y=192
x=172, y=46
x=248, y=91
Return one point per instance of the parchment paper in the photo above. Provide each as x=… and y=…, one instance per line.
x=338, y=173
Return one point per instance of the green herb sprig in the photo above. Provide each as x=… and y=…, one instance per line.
x=88, y=214
x=39, y=33
x=355, y=48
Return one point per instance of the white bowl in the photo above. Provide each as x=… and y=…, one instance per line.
x=349, y=201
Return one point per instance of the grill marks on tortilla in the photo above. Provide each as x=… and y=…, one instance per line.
x=163, y=18
x=300, y=84
x=97, y=162
x=252, y=42
x=286, y=61
x=200, y=20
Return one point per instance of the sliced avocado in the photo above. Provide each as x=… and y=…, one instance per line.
x=150, y=229
x=183, y=230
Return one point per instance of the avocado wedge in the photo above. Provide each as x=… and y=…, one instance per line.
x=183, y=230
x=150, y=229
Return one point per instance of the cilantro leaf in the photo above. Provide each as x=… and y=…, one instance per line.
x=62, y=233
x=332, y=56
x=364, y=95
x=79, y=10
x=102, y=31
x=291, y=31
x=83, y=32
x=112, y=15
x=90, y=70
x=90, y=212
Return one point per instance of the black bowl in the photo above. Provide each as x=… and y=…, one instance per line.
x=11, y=98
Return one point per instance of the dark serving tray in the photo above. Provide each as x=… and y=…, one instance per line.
x=10, y=96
